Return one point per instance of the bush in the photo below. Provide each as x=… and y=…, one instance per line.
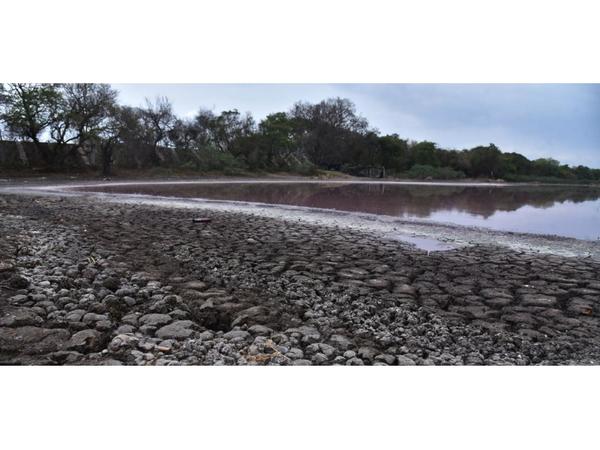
x=437, y=173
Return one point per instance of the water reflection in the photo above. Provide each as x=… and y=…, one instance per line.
x=538, y=209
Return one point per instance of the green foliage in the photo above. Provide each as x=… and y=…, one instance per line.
x=436, y=173
x=328, y=135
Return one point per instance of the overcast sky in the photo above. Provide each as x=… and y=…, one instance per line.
x=557, y=120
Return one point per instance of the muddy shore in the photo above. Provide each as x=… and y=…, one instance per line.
x=84, y=281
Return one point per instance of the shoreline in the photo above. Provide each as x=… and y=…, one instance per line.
x=426, y=235
x=100, y=282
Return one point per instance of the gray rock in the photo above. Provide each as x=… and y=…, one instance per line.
x=86, y=341
x=367, y=353
x=319, y=358
x=92, y=317
x=30, y=340
x=355, y=362
x=404, y=361
x=18, y=316
x=123, y=342
x=301, y=362
x=538, y=300
x=237, y=334
x=260, y=330
x=341, y=342
x=155, y=320
x=176, y=330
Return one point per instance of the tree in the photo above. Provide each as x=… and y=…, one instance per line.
x=486, y=161
x=278, y=139
x=424, y=153
x=83, y=113
x=329, y=131
x=28, y=110
x=394, y=153
x=228, y=127
x=159, y=120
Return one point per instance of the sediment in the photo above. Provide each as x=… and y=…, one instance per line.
x=89, y=282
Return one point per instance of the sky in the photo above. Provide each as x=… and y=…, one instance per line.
x=561, y=121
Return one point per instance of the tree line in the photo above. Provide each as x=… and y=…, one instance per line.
x=64, y=121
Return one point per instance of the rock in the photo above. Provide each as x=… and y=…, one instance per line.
x=195, y=285
x=295, y=353
x=353, y=273
x=18, y=281
x=18, y=299
x=404, y=361
x=301, y=362
x=349, y=354
x=367, y=353
x=309, y=334
x=387, y=359
x=92, y=317
x=30, y=340
x=319, y=358
x=405, y=289
x=124, y=329
x=237, y=334
x=252, y=315
x=166, y=345
x=580, y=306
x=538, y=300
x=87, y=341
x=18, y=316
x=122, y=342
x=379, y=283
x=111, y=283
x=260, y=330
x=341, y=342
x=155, y=320
x=355, y=362
x=177, y=330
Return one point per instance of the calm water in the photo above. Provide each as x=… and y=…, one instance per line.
x=561, y=210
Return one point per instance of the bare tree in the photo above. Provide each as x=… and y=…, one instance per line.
x=159, y=120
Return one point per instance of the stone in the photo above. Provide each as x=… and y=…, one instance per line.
x=319, y=358
x=195, y=285
x=155, y=320
x=295, y=353
x=30, y=340
x=18, y=282
x=176, y=330
x=92, y=317
x=111, y=283
x=123, y=341
x=355, y=362
x=237, y=334
x=341, y=342
x=538, y=300
x=86, y=341
x=18, y=299
x=404, y=361
x=301, y=362
x=260, y=330
x=18, y=316
x=367, y=353
x=405, y=289
x=579, y=306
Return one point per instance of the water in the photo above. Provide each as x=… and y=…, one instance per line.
x=557, y=210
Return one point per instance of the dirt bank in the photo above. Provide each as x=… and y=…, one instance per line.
x=84, y=281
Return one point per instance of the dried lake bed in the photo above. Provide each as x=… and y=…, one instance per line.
x=124, y=275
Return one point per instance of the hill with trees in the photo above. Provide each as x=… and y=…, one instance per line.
x=68, y=127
